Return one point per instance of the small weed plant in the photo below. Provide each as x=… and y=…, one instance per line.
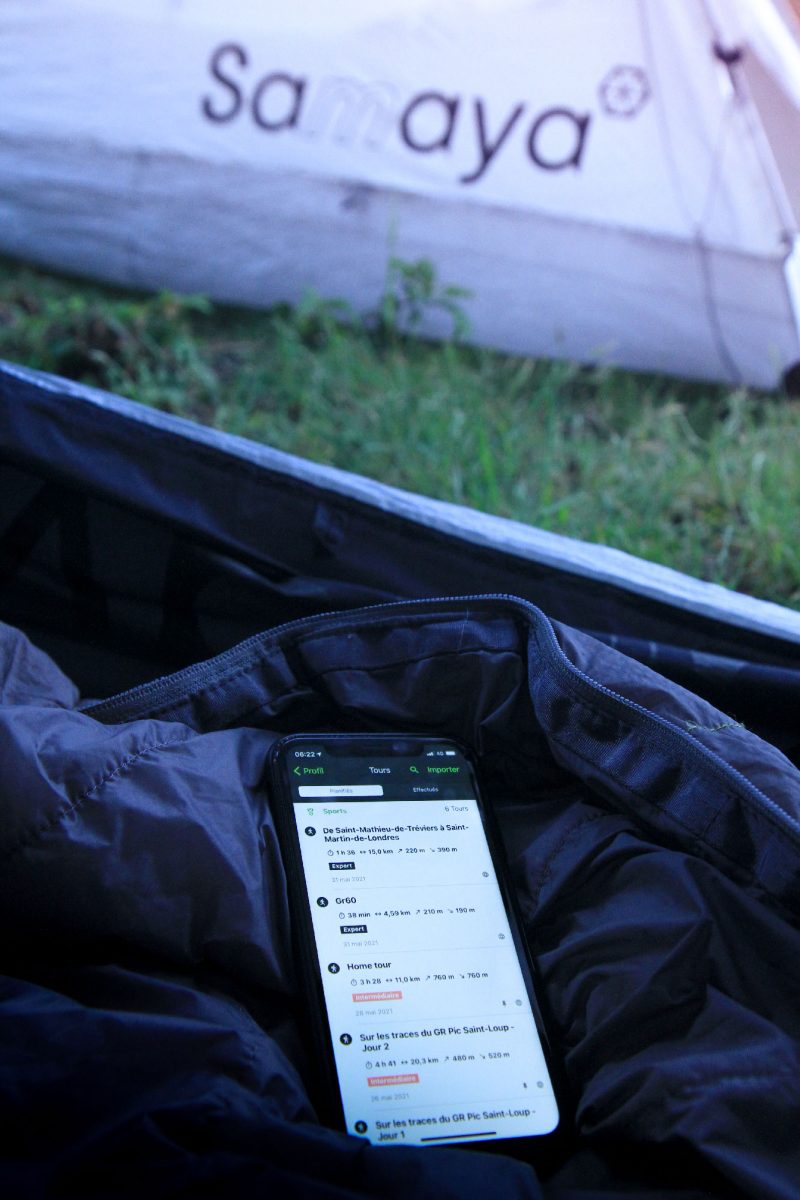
x=413, y=293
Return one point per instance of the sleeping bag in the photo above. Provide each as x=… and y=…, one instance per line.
x=151, y=1040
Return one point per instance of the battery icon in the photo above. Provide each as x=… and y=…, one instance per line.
x=450, y=752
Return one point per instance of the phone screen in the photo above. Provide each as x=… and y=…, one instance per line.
x=432, y=1029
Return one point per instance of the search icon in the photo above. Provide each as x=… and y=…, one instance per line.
x=414, y=770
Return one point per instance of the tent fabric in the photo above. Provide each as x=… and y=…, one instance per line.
x=614, y=182
x=152, y=1040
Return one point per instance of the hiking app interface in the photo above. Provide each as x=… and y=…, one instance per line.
x=433, y=1035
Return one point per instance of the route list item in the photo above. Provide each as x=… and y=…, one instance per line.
x=433, y=1035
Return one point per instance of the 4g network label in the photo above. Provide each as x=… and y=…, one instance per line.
x=433, y=1035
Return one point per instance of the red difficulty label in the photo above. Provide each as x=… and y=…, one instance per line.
x=391, y=1080
x=359, y=996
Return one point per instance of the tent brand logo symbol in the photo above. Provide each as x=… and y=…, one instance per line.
x=353, y=114
x=624, y=92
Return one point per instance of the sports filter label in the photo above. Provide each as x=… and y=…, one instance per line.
x=432, y=1030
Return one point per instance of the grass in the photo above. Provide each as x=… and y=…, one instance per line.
x=705, y=479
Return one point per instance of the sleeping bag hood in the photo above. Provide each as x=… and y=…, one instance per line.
x=150, y=1005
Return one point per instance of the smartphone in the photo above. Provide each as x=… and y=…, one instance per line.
x=418, y=982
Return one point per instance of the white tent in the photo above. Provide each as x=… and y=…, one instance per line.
x=615, y=180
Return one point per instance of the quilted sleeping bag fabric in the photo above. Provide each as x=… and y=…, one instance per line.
x=150, y=1034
